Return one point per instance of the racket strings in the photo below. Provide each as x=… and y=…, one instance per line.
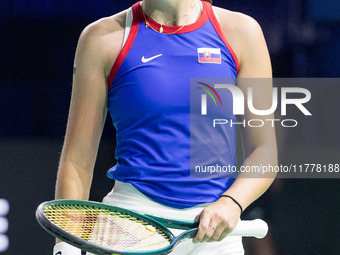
x=108, y=228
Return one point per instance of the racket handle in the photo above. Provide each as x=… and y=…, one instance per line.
x=251, y=228
x=63, y=248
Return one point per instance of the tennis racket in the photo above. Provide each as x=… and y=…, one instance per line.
x=105, y=229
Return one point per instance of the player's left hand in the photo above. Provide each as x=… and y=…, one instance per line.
x=217, y=220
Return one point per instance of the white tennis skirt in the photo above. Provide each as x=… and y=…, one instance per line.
x=125, y=195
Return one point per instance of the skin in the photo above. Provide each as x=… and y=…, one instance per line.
x=99, y=46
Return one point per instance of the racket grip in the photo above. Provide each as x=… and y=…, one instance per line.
x=63, y=248
x=251, y=228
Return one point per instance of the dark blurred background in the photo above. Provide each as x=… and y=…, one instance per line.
x=38, y=39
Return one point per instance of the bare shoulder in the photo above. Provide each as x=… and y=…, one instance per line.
x=241, y=30
x=103, y=39
x=105, y=26
x=246, y=38
x=236, y=21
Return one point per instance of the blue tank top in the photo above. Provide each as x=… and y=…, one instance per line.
x=149, y=103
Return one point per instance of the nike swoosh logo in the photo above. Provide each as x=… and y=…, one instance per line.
x=58, y=253
x=145, y=60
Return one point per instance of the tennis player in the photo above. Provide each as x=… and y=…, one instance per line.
x=137, y=65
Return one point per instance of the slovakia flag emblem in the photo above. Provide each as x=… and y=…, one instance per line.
x=209, y=55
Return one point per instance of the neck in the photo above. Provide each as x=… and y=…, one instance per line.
x=172, y=12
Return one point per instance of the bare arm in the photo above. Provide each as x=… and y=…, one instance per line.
x=246, y=38
x=259, y=144
x=98, y=46
x=86, y=117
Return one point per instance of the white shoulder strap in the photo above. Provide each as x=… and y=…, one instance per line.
x=128, y=24
x=216, y=15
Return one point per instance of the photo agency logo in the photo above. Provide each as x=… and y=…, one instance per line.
x=218, y=107
x=294, y=96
